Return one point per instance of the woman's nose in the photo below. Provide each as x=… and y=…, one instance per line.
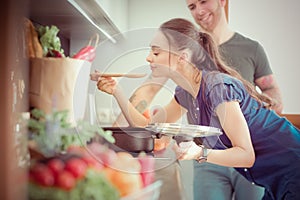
x=148, y=58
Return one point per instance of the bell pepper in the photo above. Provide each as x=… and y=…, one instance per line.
x=86, y=53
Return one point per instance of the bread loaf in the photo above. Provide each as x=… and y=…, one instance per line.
x=33, y=47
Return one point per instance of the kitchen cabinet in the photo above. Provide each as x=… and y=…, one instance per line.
x=77, y=19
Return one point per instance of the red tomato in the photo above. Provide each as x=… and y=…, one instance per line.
x=42, y=174
x=65, y=180
x=77, y=167
x=56, y=165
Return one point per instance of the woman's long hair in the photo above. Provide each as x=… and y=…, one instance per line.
x=182, y=34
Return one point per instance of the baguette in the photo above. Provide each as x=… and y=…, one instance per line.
x=33, y=47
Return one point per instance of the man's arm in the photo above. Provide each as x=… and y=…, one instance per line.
x=142, y=97
x=268, y=85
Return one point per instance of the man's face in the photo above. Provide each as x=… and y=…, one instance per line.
x=206, y=13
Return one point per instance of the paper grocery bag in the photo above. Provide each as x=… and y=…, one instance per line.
x=52, y=83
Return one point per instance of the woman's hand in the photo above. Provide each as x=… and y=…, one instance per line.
x=161, y=143
x=107, y=84
x=187, y=150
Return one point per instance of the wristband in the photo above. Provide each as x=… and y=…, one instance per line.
x=203, y=157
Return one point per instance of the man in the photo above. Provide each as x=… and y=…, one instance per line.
x=213, y=182
x=236, y=49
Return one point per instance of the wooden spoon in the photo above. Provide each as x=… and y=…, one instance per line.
x=95, y=76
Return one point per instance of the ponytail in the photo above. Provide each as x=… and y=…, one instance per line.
x=208, y=44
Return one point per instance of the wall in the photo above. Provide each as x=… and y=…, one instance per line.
x=143, y=13
x=117, y=11
x=275, y=25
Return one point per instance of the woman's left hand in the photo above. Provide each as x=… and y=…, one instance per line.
x=187, y=150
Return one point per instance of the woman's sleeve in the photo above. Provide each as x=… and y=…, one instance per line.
x=224, y=92
x=181, y=97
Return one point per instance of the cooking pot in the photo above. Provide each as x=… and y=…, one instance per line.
x=132, y=139
x=136, y=139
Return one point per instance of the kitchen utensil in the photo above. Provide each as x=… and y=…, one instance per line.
x=206, y=136
x=132, y=139
x=95, y=76
x=124, y=75
x=191, y=130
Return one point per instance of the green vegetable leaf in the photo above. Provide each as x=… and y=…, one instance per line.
x=54, y=134
x=49, y=39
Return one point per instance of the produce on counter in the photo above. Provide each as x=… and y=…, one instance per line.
x=69, y=176
x=81, y=165
x=52, y=133
x=90, y=172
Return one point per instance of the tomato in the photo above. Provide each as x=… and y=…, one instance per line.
x=56, y=165
x=76, y=166
x=42, y=175
x=65, y=180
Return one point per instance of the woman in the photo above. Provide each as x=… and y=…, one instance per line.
x=262, y=146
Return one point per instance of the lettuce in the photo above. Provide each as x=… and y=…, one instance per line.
x=50, y=41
